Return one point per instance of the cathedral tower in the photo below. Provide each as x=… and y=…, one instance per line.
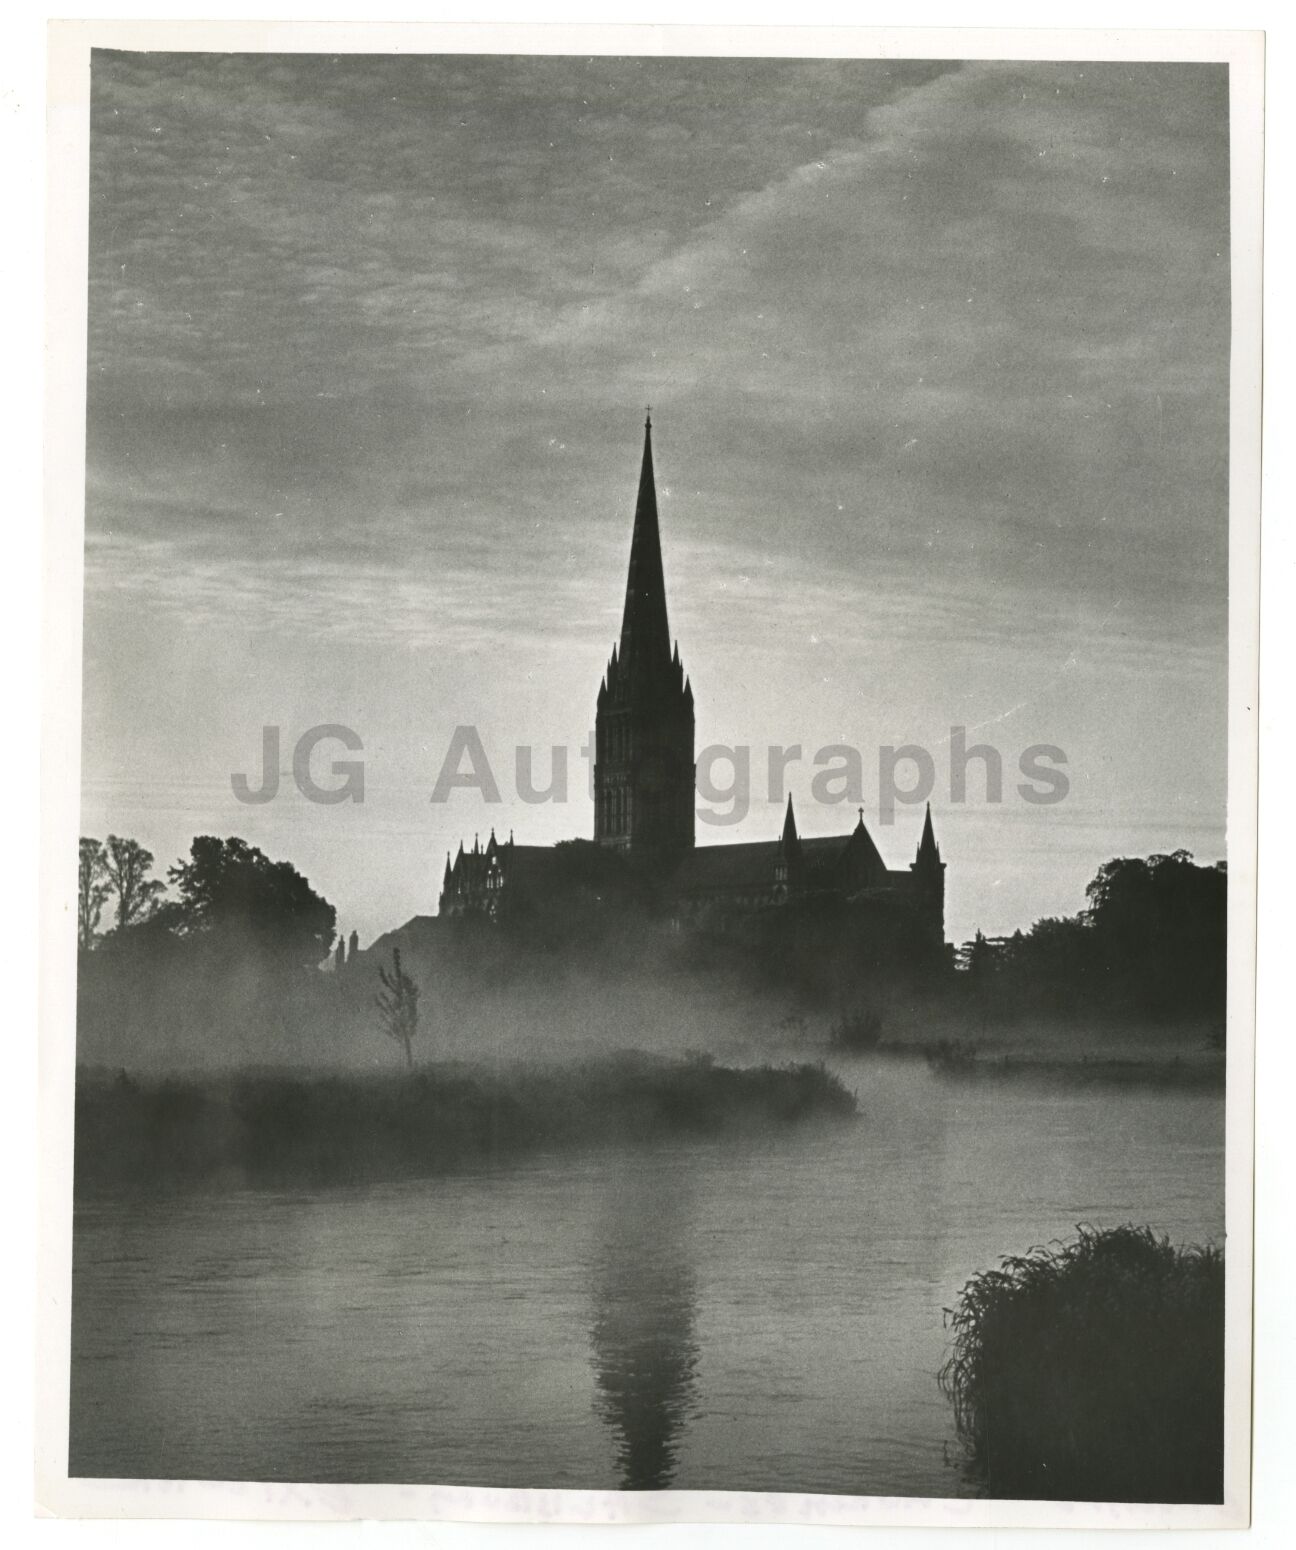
x=644, y=776
x=929, y=878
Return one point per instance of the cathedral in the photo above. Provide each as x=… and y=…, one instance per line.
x=644, y=796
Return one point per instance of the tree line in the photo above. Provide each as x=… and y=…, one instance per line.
x=230, y=938
x=1150, y=944
x=237, y=937
x=226, y=892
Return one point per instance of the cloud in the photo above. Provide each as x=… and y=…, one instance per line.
x=938, y=357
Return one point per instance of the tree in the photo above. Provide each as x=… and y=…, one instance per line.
x=93, y=890
x=397, y=1005
x=1160, y=929
x=231, y=892
x=1151, y=944
x=127, y=866
x=981, y=958
x=981, y=964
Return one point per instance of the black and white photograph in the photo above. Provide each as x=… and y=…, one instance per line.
x=664, y=833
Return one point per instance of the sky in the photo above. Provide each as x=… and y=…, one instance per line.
x=937, y=355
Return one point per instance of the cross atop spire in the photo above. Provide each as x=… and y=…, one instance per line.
x=645, y=632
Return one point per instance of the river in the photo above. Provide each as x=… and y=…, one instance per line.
x=756, y=1316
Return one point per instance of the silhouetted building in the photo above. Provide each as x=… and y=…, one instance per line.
x=644, y=794
x=644, y=775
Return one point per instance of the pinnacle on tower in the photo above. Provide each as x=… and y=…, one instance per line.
x=928, y=850
x=790, y=838
x=645, y=632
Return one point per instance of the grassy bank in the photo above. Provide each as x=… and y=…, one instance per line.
x=1195, y=1067
x=264, y=1128
x=1094, y=1371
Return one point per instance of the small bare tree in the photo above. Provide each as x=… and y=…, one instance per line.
x=397, y=1004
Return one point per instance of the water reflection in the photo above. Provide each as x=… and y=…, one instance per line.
x=754, y=1320
x=645, y=1349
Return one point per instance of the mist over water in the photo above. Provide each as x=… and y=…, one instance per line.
x=763, y=1314
x=570, y=1018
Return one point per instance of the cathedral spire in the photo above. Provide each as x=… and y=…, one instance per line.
x=645, y=633
x=644, y=774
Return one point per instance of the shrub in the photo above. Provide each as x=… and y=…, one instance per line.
x=951, y=1055
x=855, y=1031
x=1093, y=1371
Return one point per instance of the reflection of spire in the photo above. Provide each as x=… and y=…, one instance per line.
x=644, y=1346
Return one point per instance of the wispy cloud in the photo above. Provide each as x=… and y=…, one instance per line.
x=938, y=357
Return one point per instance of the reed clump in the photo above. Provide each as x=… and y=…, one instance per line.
x=1093, y=1370
x=857, y=1031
